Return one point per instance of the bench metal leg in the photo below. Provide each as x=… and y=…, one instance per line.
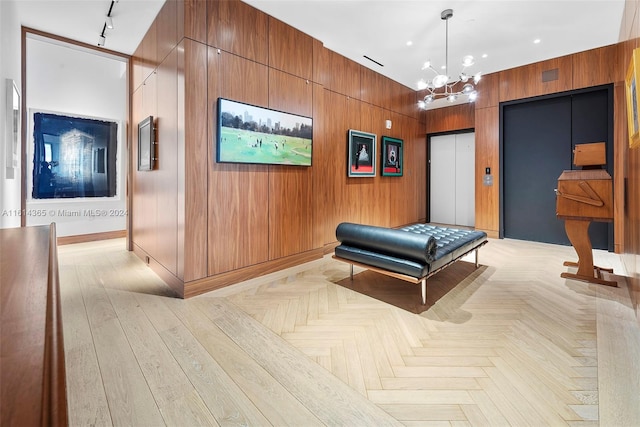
x=424, y=291
x=351, y=271
x=476, y=258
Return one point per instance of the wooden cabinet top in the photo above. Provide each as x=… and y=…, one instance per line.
x=584, y=175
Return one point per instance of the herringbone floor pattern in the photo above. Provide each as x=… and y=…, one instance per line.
x=510, y=344
x=507, y=344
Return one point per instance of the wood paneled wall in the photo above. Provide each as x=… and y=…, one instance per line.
x=202, y=224
x=630, y=40
x=595, y=67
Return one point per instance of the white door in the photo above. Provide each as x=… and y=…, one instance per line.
x=452, y=179
x=442, y=187
x=465, y=179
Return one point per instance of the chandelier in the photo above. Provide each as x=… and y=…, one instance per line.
x=443, y=86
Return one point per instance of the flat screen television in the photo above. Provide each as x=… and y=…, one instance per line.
x=251, y=134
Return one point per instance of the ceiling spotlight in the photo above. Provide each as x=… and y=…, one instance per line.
x=109, y=22
x=101, y=40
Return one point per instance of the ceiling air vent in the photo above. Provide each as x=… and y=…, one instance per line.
x=374, y=61
x=550, y=75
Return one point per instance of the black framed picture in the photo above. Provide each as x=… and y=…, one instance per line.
x=392, y=156
x=146, y=141
x=362, y=154
x=257, y=135
x=73, y=157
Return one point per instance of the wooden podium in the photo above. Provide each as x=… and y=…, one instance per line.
x=584, y=196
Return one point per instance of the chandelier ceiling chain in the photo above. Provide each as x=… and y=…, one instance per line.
x=442, y=85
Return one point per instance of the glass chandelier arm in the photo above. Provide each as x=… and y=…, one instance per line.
x=461, y=86
x=427, y=66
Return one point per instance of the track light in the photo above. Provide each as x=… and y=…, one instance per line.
x=108, y=24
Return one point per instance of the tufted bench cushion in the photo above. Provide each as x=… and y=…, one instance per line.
x=415, y=250
x=451, y=243
x=394, y=250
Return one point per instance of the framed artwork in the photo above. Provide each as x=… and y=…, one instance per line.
x=362, y=154
x=251, y=134
x=72, y=156
x=392, y=156
x=633, y=109
x=12, y=137
x=146, y=141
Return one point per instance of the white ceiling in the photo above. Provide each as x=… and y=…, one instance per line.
x=83, y=20
x=504, y=30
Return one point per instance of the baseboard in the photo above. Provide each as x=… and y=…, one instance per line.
x=200, y=286
x=92, y=237
x=167, y=277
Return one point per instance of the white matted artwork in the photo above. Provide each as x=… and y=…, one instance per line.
x=12, y=136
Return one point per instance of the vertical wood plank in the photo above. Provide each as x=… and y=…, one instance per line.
x=319, y=163
x=180, y=160
x=167, y=33
x=196, y=154
x=290, y=188
x=488, y=91
x=136, y=68
x=290, y=94
x=487, y=155
x=333, y=180
x=150, y=50
x=167, y=163
x=238, y=28
x=290, y=211
x=343, y=75
x=144, y=182
x=195, y=20
x=290, y=50
x=456, y=117
x=597, y=67
x=238, y=194
x=320, y=63
x=525, y=82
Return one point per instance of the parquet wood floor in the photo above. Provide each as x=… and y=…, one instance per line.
x=510, y=343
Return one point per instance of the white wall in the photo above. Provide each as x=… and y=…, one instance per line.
x=77, y=82
x=9, y=69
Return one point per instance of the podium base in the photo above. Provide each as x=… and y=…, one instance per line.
x=596, y=278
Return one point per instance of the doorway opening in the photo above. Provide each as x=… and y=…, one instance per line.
x=537, y=138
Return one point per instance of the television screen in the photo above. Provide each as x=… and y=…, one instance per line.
x=252, y=134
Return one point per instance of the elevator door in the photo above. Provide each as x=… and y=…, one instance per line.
x=452, y=179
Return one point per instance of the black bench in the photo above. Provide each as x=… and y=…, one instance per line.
x=412, y=253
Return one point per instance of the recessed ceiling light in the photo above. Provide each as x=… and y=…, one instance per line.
x=536, y=41
x=484, y=55
x=409, y=43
